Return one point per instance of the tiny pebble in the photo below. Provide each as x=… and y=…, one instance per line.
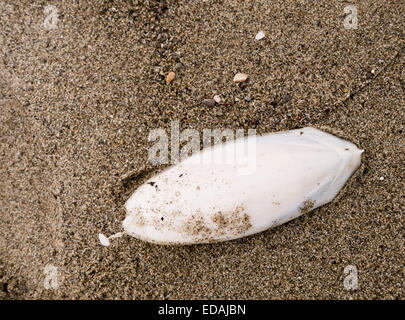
x=260, y=35
x=381, y=178
x=240, y=77
x=178, y=66
x=104, y=240
x=217, y=99
x=287, y=98
x=209, y=102
x=248, y=98
x=170, y=77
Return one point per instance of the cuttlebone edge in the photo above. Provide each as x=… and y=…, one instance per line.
x=355, y=156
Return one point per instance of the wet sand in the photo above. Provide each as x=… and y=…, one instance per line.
x=79, y=101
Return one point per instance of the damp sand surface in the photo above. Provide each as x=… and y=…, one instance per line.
x=77, y=105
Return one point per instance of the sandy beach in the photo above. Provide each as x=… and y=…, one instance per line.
x=82, y=83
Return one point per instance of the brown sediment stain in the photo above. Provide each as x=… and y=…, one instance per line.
x=199, y=227
x=220, y=219
x=235, y=223
x=196, y=226
x=138, y=218
x=158, y=221
x=307, y=206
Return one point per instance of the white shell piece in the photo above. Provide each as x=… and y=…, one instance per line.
x=217, y=98
x=293, y=172
x=103, y=240
x=260, y=35
x=240, y=77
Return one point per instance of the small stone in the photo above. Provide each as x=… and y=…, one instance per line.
x=178, y=66
x=248, y=98
x=170, y=77
x=103, y=240
x=260, y=35
x=287, y=98
x=381, y=178
x=209, y=102
x=240, y=77
x=217, y=99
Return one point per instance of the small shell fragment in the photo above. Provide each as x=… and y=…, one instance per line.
x=209, y=102
x=170, y=77
x=103, y=240
x=240, y=77
x=217, y=99
x=260, y=35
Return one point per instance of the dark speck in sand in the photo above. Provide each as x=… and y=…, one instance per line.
x=287, y=98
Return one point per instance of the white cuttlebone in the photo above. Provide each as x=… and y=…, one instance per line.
x=296, y=171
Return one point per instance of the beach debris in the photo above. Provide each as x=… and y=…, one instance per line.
x=170, y=77
x=240, y=77
x=287, y=98
x=116, y=235
x=209, y=102
x=284, y=175
x=217, y=98
x=260, y=35
x=103, y=240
